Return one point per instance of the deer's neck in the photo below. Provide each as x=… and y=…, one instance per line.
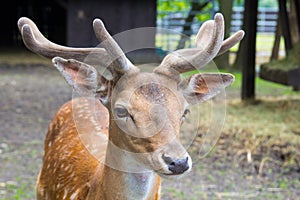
x=118, y=180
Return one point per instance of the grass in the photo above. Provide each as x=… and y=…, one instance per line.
x=275, y=117
x=263, y=88
x=21, y=185
x=275, y=112
x=21, y=189
x=268, y=129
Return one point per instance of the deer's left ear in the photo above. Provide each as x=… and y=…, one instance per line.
x=202, y=87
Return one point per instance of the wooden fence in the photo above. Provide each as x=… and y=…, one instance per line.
x=266, y=19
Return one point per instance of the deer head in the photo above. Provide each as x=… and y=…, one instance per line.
x=146, y=109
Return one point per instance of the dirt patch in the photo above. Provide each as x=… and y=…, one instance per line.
x=241, y=165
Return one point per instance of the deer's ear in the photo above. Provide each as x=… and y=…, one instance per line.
x=82, y=77
x=202, y=87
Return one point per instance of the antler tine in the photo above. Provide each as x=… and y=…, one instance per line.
x=207, y=28
x=210, y=36
x=120, y=62
x=231, y=41
x=204, y=33
x=36, y=42
x=25, y=21
x=209, y=41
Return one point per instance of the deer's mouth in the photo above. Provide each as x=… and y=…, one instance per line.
x=173, y=176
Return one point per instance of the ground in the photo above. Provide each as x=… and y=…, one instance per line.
x=256, y=156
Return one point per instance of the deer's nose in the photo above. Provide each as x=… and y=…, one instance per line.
x=177, y=166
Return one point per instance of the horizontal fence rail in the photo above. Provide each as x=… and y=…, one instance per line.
x=266, y=19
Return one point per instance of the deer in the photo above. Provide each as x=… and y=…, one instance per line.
x=120, y=139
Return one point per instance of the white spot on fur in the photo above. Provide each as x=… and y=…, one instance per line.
x=66, y=168
x=65, y=193
x=73, y=196
x=73, y=174
x=98, y=128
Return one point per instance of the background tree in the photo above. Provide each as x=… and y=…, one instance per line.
x=245, y=59
x=226, y=8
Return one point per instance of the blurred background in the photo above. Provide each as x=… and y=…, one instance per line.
x=258, y=153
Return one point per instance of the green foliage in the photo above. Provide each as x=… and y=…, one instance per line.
x=163, y=7
x=237, y=3
x=201, y=17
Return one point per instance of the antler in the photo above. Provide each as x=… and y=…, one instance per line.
x=36, y=42
x=110, y=56
x=209, y=42
x=120, y=62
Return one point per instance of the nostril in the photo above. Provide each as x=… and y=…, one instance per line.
x=168, y=160
x=176, y=166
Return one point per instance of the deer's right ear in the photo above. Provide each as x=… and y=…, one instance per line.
x=84, y=78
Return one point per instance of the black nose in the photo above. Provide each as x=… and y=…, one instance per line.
x=176, y=166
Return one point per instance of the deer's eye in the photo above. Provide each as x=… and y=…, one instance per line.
x=122, y=112
x=185, y=113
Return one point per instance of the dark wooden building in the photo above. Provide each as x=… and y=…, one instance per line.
x=69, y=22
x=49, y=16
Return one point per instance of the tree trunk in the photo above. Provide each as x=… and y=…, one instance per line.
x=247, y=50
x=285, y=25
x=293, y=20
x=276, y=45
x=222, y=61
x=297, y=8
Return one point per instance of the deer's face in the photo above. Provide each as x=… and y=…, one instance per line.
x=146, y=110
x=149, y=109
